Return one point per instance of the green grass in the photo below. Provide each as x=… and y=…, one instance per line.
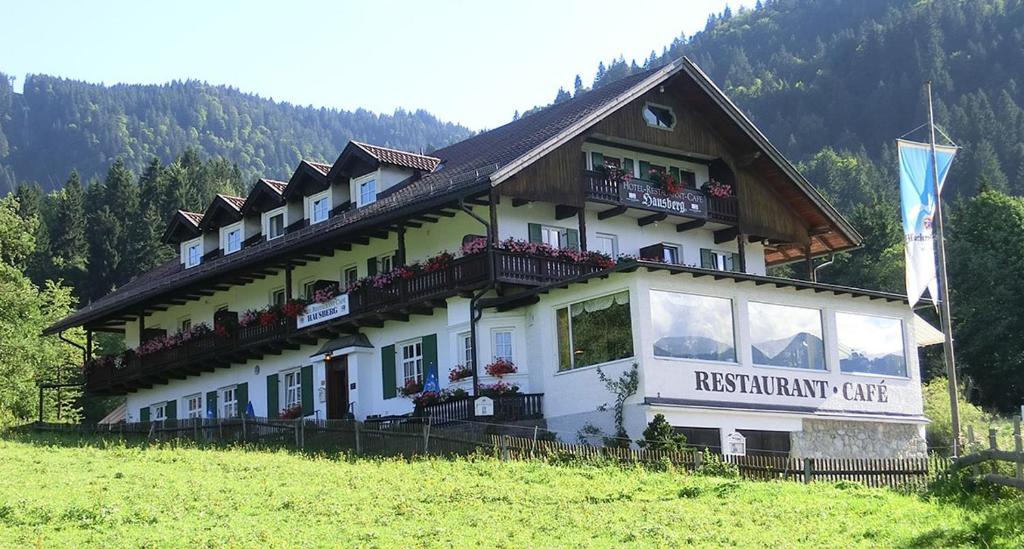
x=56, y=492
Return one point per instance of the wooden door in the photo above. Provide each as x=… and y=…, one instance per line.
x=337, y=387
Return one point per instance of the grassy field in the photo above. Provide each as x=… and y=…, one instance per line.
x=58, y=492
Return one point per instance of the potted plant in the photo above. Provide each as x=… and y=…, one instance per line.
x=500, y=367
x=460, y=372
x=293, y=412
x=499, y=389
x=718, y=189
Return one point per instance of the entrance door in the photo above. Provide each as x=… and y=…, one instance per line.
x=337, y=387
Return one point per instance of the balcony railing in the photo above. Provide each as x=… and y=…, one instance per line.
x=506, y=408
x=129, y=370
x=601, y=189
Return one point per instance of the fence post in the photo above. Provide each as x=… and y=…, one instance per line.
x=1018, y=448
x=698, y=456
x=808, y=470
x=359, y=443
x=994, y=446
x=296, y=427
x=302, y=433
x=533, y=448
x=504, y=447
x=426, y=436
x=243, y=428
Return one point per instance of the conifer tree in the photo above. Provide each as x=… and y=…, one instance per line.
x=68, y=244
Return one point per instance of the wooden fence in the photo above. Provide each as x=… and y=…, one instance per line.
x=396, y=437
x=1005, y=468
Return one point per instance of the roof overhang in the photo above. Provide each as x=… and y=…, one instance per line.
x=263, y=196
x=220, y=212
x=352, y=162
x=180, y=228
x=306, y=180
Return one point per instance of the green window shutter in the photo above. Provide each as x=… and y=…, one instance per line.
x=171, y=409
x=627, y=165
x=535, y=233
x=645, y=167
x=273, y=406
x=706, y=259
x=387, y=371
x=735, y=267
x=242, y=397
x=430, y=356
x=572, y=239
x=144, y=413
x=307, y=391
x=211, y=404
x=674, y=172
x=597, y=159
x=371, y=266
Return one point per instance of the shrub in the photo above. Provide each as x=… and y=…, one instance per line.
x=659, y=435
x=712, y=465
x=936, y=408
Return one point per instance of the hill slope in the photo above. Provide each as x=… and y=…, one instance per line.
x=58, y=125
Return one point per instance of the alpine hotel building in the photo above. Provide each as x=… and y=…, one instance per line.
x=631, y=225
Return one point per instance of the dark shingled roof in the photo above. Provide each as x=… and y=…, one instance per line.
x=400, y=158
x=466, y=166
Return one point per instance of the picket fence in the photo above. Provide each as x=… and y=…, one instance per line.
x=399, y=437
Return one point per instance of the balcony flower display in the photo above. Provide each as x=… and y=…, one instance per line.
x=499, y=389
x=323, y=295
x=268, y=316
x=460, y=372
x=222, y=331
x=501, y=367
x=160, y=343
x=665, y=181
x=293, y=308
x=439, y=262
x=718, y=189
x=474, y=246
x=614, y=173
x=411, y=388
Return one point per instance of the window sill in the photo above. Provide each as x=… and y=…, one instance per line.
x=596, y=366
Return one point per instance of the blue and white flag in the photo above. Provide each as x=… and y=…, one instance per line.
x=431, y=386
x=917, y=197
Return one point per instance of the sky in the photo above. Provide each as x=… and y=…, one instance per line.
x=474, y=63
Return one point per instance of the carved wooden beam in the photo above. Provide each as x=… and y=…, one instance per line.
x=564, y=212
x=607, y=214
x=690, y=225
x=653, y=218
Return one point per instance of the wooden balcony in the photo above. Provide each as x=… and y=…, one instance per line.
x=515, y=407
x=418, y=293
x=601, y=189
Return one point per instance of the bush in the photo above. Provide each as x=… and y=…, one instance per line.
x=940, y=431
x=659, y=435
x=712, y=465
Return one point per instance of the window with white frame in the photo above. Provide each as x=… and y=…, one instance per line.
x=194, y=406
x=553, y=236
x=231, y=238
x=292, y=389
x=308, y=287
x=274, y=223
x=319, y=208
x=277, y=297
x=670, y=253
x=465, y=350
x=386, y=263
x=350, y=275
x=607, y=244
x=412, y=362
x=368, y=192
x=185, y=324
x=192, y=251
x=158, y=412
x=594, y=331
x=719, y=260
x=229, y=402
x=502, y=340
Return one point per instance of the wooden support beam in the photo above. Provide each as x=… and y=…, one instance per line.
x=653, y=218
x=517, y=202
x=726, y=235
x=445, y=213
x=690, y=225
x=426, y=219
x=564, y=212
x=610, y=213
x=740, y=247
x=413, y=224
x=400, y=253
x=581, y=219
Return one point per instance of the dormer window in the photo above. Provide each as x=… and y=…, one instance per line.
x=319, y=206
x=274, y=223
x=231, y=238
x=368, y=192
x=659, y=116
x=192, y=252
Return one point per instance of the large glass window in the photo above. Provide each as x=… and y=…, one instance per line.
x=607, y=244
x=692, y=326
x=503, y=345
x=228, y=402
x=594, y=331
x=781, y=335
x=871, y=344
x=466, y=349
x=412, y=362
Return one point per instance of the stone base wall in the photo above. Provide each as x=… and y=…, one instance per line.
x=822, y=438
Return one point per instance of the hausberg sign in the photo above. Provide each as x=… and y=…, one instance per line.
x=315, y=313
x=639, y=194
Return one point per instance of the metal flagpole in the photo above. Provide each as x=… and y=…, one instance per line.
x=943, y=297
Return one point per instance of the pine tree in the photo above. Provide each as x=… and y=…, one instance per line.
x=659, y=435
x=577, y=86
x=562, y=96
x=68, y=244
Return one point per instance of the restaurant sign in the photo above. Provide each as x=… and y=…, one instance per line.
x=315, y=313
x=641, y=194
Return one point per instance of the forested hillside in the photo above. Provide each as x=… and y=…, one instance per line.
x=58, y=125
